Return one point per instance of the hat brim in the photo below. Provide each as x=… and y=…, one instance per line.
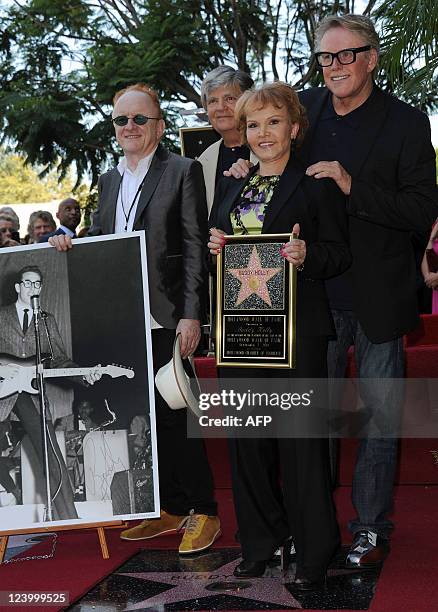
x=174, y=384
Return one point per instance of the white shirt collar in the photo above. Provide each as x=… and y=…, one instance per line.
x=142, y=166
x=67, y=231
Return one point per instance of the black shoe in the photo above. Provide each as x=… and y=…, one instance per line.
x=304, y=584
x=367, y=550
x=250, y=569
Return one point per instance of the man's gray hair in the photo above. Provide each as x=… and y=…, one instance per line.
x=358, y=24
x=223, y=76
x=45, y=215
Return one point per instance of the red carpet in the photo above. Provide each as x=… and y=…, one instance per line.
x=418, y=462
x=408, y=581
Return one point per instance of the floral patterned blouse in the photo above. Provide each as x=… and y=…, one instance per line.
x=249, y=214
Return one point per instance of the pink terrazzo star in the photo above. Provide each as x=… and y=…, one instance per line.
x=254, y=279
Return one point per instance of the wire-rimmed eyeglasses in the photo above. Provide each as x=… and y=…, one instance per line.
x=122, y=120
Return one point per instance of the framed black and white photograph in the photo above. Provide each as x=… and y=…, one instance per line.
x=77, y=418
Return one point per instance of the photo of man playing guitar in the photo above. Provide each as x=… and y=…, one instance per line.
x=18, y=392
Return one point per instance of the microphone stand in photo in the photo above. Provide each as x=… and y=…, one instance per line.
x=37, y=316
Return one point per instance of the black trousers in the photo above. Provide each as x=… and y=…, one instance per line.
x=186, y=481
x=281, y=486
x=63, y=503
x=6, y=480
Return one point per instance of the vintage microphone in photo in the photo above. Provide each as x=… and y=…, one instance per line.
x=36, y=308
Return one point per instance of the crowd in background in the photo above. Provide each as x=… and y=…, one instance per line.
x=41, y=224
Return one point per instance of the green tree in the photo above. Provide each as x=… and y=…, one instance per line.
x=20, y=183
x=63, y=60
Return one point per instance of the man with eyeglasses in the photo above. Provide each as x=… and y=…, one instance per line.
x=378, y=151
x=162, y=193
x=17, y=341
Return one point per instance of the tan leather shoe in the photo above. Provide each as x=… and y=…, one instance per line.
x=152, y=528
x=201, y=531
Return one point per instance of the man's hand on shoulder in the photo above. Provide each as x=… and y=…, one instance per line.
x=239, y=169
x=333, y=170
x=61, y=242
x=190, y=330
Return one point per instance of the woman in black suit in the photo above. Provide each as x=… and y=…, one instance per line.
x=278, y=197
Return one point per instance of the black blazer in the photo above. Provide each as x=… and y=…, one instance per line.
x=393, y=194
x=172, y=211
x=58, y=232
x=319, y=208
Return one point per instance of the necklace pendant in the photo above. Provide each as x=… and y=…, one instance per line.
x=126, y=228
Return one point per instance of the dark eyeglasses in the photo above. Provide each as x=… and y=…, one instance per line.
x=345, y=56
x=122, y=120
x=35, y=284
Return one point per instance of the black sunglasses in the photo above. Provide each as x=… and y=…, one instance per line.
x=345, y=56
x=122, y=120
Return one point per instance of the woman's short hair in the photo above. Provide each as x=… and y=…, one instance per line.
x=10, y=212
x=143, y=88
x=9, y=219
x=224, y=76
x=277, y=94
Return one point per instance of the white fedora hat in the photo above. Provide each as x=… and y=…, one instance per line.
x=177, y=388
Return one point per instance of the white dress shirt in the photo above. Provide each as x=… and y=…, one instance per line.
x=131, y=181
x=67, y=231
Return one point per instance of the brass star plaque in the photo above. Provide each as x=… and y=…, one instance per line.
x=256, y=294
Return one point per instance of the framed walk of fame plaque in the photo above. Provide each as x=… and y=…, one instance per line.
x=256, y=291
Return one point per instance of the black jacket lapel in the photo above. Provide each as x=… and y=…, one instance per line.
x=157, y=167
x=314, y=101
x=289, y=181
x=368, y=134
x=234, y=189
x=108, y=212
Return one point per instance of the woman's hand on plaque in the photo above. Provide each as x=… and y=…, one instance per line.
x=217, y=240
x=295, y=250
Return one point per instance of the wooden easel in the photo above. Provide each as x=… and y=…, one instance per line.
x=5, y=535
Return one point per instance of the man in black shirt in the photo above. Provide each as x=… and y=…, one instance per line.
x=220, y=91
x=378, y=151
